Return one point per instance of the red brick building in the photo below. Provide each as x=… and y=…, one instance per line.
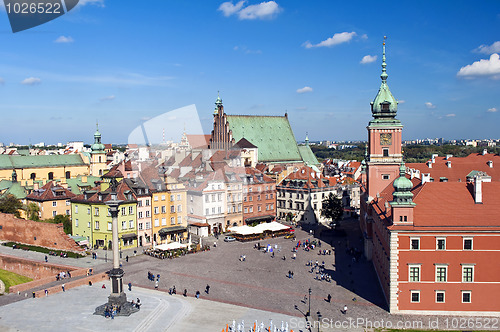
x=432, y=231
x=259, y=196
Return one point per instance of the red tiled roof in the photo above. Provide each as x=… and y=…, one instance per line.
x=50, y=192
x=198, y=141
x=460, y=167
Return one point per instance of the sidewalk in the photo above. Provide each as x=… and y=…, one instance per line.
x=73, y=311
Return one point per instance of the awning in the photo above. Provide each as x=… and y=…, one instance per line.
x=266, y=218
x=174, y=229
x=130, y=236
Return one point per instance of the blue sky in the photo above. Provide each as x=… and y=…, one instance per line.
x=124, y=62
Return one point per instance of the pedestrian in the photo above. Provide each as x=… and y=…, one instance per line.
x=345, y=310
x=158, y=277
x=207, y=289
x=289, y=274
x=174, y=291
x=129, y=286
x=90, y=282
x=46, y=293
x=126, y=259
x=103, y=286
x=294, y=256
x=156, y=284
x=69, y=274
x=329, y=298
x=185, y=292
x=292, y=274
x=197, y=294
x=46, y=259
x=34, y=295
x=63, y=287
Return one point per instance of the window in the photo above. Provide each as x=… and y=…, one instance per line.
x=385, y=152
x=251, y=209
x=415, y=296
x=139, y=203
x=96, y=211
x=179, y=220
x=130, y=224
x=88, y=211
x=68, y=203
x=219, y=197
x=97, y=224
x=140, y=226
x=76, y=222
x=76, y=209
x=207, y=212
x=466, y=296
x=467, y=273
x=88, y=224
x=68, y=175
x=386, y=176
x=148, y=214
x=163, y=209
x=130, y=210
x=124, y=225
x=179, y=197
x=156, y=198
x=140, y=214
x=148, y=225
x=467, y=243
x=147, y=202
x=162, y=197
x=157, y=222
x=51, y=176
x=414, y=274
x=163, y=221
x=109, y=212
x=172, y=198
x=246, y=210
x=172, y=221
x=441, y=273
x=54, y=203
x=172, y=209
x=123, y=210
x=67, y=212
x=439, y=296
x=179, y=208
x=259, y=208
x=156, y=210
x=219, y=209
x=441, y=243
x=414, y=243
x=213, y=210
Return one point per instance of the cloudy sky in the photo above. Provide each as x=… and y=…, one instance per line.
x=123, y=63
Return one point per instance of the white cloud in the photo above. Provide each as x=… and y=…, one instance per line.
x=451, y=115
x=305, y=89
x=99, y=3
x=338, y=38
x=489, y=49
x=485, y=68
x=368, y=59
x=228, y=9
x=492, y=110
x=401, y=101
x=64, y=40
x=31, y=81
x=246, y=50
x=429, y=105
x=264, y=10
x=108, y=98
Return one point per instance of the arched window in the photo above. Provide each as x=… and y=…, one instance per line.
x=99, y=158
x=68, y=175
x=33, y=176
x=51, y=176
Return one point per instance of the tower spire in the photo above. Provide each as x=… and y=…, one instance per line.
x=384, y=65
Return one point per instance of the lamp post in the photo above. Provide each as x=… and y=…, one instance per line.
x=309, y=311
x=106, y=251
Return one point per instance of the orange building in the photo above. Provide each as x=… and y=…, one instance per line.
x=51, y=199
x=259, y=196
x=431, y=230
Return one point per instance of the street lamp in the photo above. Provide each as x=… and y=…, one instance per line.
x=309, y=311
x=106, y=245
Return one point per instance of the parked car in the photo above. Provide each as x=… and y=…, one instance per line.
x=229, y=239
x=290, y=236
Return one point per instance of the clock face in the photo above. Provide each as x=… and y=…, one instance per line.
x=385, y=139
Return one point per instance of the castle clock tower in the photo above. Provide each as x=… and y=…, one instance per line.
x=384, y=139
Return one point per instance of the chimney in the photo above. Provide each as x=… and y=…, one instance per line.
x=429, y=163
x=448, y=156
x=448, y=163
x=485, y=152
x=490, y=163
x=426, y=177
x=478, y=192
x=434, y=156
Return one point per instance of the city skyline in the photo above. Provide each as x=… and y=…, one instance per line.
x=318, y=61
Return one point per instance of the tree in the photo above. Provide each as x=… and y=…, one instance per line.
x=332, y=209
x=32, y=210
x=10, y=204
x=65, y=221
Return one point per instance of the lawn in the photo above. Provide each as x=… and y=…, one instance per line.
x=12, y=279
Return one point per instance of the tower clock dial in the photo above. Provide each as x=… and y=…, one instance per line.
x=385, y=139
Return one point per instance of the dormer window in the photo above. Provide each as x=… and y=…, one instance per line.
x=385, y=106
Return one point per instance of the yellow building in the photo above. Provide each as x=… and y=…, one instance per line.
x=51, y=199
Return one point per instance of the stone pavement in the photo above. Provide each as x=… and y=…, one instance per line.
x=73, y=311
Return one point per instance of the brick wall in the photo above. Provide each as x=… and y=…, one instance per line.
x=40, y=234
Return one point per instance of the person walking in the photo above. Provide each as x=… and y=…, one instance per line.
x=292, y=274
x=345, y=310
x=129, y=286
x=329, y=298
x=156, y=284
x=207, y=289
x=197, y=294
x=126, y=259
x=46, y=259
x=62, y=286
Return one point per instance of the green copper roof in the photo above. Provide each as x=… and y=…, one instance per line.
x=384, y=106
x=76, y=184
x=307, y=155
x=402, y=189
x=13, y=188
x=271, y=134
x=16, y=162
x=97, y=147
